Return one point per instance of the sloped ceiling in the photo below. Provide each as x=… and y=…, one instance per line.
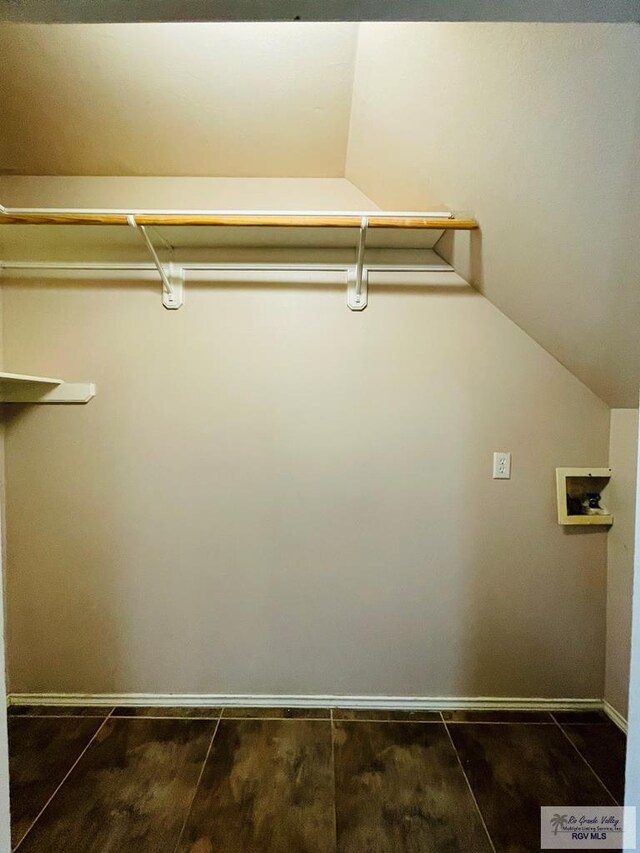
x=176, y=99
x=534, y=129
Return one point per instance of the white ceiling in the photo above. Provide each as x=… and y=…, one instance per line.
x=235, y=100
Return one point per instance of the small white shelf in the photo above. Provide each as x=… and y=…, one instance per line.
x=23, y=378
x=22, y=388
x=576, y=483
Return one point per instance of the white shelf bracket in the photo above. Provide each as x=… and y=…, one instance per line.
x=357, y=282
x=173, y=283
x=176, y=279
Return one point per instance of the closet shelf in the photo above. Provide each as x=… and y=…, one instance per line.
x=22, y=388
x=175, y=232
x=25, y=380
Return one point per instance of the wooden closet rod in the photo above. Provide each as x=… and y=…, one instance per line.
x=272, y=220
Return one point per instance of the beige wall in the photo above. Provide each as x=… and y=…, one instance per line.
x=622, y=498
x=535, y=129
x=271, y=494
x=172, y=193
x=176, y=99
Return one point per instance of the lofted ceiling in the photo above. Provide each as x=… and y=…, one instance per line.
x=533, y=129
x=176, y=99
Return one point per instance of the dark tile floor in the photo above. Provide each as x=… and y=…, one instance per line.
x=275, y=780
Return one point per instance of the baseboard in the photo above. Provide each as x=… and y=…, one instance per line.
x=615, y=716
x=422, y=703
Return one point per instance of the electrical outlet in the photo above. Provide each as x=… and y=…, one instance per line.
x=501, y=466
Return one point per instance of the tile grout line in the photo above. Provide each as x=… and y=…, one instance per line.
x=278, y=719
x=333, y=773
x=585, y=760
x=496, y=723
x=61, y=716
x=197, y=785
x=69, y=772
x=466, y=779
x=153, y=717
x=285, y=719
x=448, y=722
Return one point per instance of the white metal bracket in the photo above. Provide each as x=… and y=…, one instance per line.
x=357, y=301
x=174, y=299
x=357, y=282
x=173, y=282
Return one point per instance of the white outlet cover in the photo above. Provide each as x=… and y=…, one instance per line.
x=501, y=465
